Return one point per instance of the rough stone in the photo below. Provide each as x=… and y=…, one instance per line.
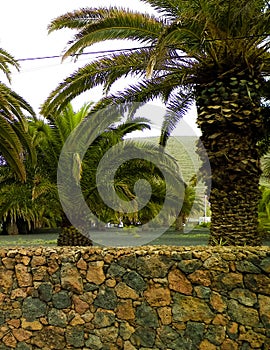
x=246, y=266
x=21, y=334
x=165, y=315
x=257, y=283
x=135, y=281
x=264, y=310
x=215, y=334
x=45, y=291
x=126, y=330
x=179, y=283
x=255, y=340
x=80, y=306
x=146, y=316
x=57, y=318
x=143, y=336
x=9, y=340
x=265, y=264
x=122, y=290
x=156, y=267
x=24, y=278
x=33, y=308
x=71, y=279
x=6, y=279
x=106, y=299
x=75, y=336
x=242, y=314
x=93, y=342
x=187, y=308
x=49, y=338
x=201, y=277
x=244, y=296
x=61, y=300
x=157, y=295
x=107, y=335
x=125, y=310
x=95, y=273
x=103, y=318
x=189, y=266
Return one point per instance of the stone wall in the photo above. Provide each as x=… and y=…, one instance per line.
x=139, y=298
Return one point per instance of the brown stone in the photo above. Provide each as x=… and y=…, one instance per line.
x=18, y=293
x=39, y=273
x=24, y=278
x=129, y=346
x=32, y=326
x=95, y=273
x=264, y=311
x=201, y=277
x=6, y=279
x=14, y=323
x=165, y=315
x=125, y=310
x=80, y=305
x=81, y=264
x=257, y=283
x=187, y=308
x=9, y=263
x=256, y=340
x=229, y=344
x=220, y=320
x=21, y=334
x=38, y=261
x=125, y=292
x=25, y=260
x=9, y=340
x=232, y=280
x=206, y=345
x=179, y=283
x=243, y=314
x=77, y=320
x=157, y=295
x=71, y=279
x=111, y=282
x=232, y=329
x=215, y=263
x=217, y=302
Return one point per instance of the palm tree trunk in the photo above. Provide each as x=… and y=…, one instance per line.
x=229, y=117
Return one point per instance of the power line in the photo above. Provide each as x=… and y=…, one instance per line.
x=137, y=48
x=80, y=54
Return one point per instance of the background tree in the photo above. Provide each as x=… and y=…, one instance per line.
x=215, y=53
x=14, y=140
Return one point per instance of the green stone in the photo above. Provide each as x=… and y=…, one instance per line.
x=144, y=336
x=93, y=342
x=116, y=270
x=135, y=281
x=103, y=319
x=61, y=300
x=75, y=337
x=33, y=308
x=146, y=316
x=23, y=346
x=57, y=318
x=106, y=299
x=45, y=292
x=195, y=332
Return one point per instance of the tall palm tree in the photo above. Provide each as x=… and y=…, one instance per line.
x=14, y=139
x=215, y=53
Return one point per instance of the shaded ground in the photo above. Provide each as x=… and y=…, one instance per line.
x=196, y=237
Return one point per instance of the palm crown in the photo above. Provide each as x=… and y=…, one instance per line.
x=213, y=52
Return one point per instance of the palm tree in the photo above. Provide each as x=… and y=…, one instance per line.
x=215, y=53
x=13, y=127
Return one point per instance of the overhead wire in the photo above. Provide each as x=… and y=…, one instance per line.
x=135, y=48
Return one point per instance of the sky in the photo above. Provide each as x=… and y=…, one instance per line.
x=23, y=33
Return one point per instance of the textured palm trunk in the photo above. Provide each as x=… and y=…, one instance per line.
x=229, y=117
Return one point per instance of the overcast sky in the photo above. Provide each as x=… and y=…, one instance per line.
x=23, y=33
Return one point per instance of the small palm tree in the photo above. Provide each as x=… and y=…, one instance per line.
x=14, y=140
x=215, y=53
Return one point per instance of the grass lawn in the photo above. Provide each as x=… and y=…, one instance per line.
x=196, y=237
